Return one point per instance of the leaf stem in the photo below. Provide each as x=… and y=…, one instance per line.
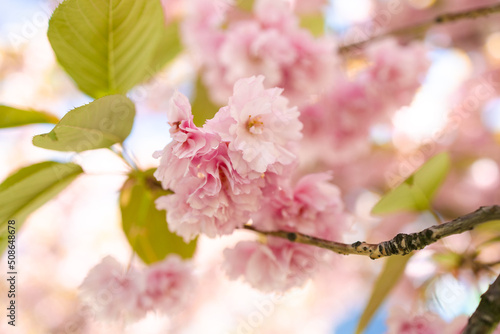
x=121, y=152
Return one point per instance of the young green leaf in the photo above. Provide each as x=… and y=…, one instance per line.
x=394, y=268
x=169, y=47
x=315, y=23
x=145, y=226
x=10, y=117
x=246, y=5
x=202, y=107
x=29, y=188
x=99, y=124
x=416, y=192
x=106, y=46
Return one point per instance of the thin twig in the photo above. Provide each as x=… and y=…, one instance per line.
x=487, y=315
x=424, y=26
x=401, y=244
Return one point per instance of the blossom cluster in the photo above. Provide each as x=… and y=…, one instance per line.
x=114, y=292
x=268, y=41
x=238, y=168
x=218, y=172
x=344, y=115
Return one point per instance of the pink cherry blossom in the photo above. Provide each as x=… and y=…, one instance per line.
x=396, y=71
x=188, y=142
x=113, y=292
x=211, y=195
x=276, y=266
x=269, y=42
x=212, y=198
x=260, y=127
x=313, y=207
x=402, y=322
x=168, y=285
x=343, y=117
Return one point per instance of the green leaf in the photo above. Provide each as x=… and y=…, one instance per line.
x=488, y=227
x=169, y=47
x=99, y=124
x=29, y=188
x=315, y=23
x=145, y=226
x=416, y=192
x=202, y=107
x=106, y=46
x=245, y=5
x=10, y=117
x=394, y=268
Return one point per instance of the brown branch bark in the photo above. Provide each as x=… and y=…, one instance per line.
x=401, y=244
x=487, y=315
x=424, y=26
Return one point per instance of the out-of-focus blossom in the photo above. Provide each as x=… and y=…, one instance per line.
x=308, y=6
x=342, y=117
x=402, y=322
x=395, y=71
x=113, y=292
x=276, y=266
x=269, y=42
x=168, y=285
x=116, y=293
x=313, y=207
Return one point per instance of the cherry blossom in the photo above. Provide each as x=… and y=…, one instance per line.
x=276, y=266
x=343, y=117
x=113, y=292
x=216, y=172
x=116, y=293
x=401, y=322
x=259, y=127
x=313, y=207
x=269, y=42
x=168, y=285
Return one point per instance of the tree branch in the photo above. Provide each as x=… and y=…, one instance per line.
x=424, y=26
x=401, y=244
x=487, y=315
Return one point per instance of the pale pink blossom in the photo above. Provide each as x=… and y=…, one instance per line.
x=210, y=196
x=269, y=42
x=201, y=28
x=260, y=128
x=172, y=9
x=402, y=322
x=113, y=292
x=342, y=118
x=276, y=266
x=188, y=142
x=116, y=293
x=168, y=285
x=308, y=6
x=312, y=207
x=396, y=71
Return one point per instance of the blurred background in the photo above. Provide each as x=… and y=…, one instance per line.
x=62, y=240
